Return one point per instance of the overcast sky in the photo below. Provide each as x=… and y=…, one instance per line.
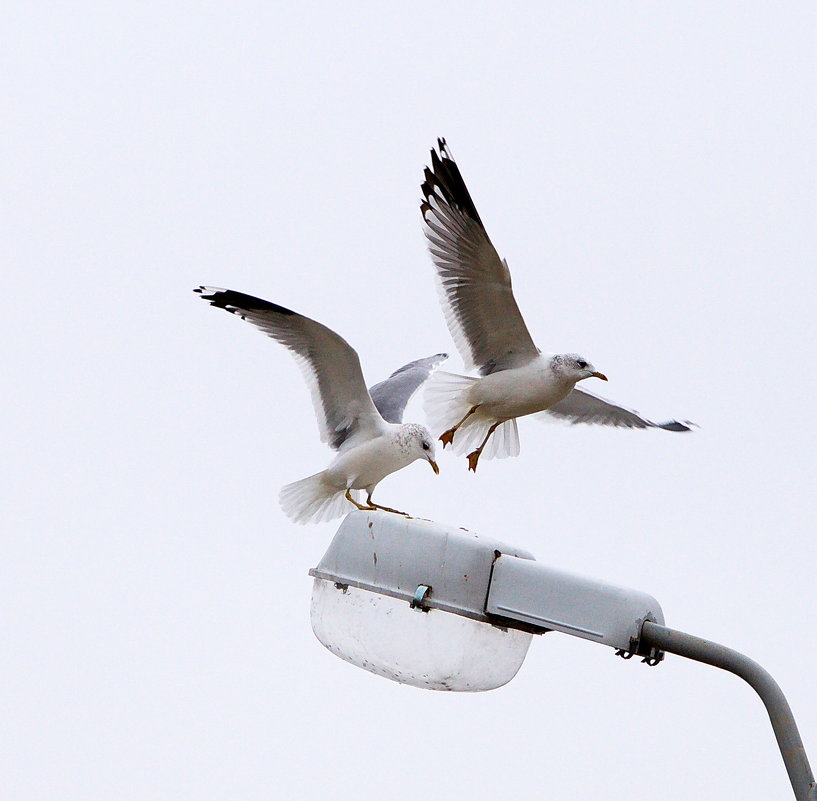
x=649, y=172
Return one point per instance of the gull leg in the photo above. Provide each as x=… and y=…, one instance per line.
x=360, y=506
x=374, y=505
x=447, y=437
x=473, y=457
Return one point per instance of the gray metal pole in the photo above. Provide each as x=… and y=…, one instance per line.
x=785, y=729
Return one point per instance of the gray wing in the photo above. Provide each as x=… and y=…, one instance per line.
x=330, y=365
x=391, y=396
x=475, y=284
x=583, y=407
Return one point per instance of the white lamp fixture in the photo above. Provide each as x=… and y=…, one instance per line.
x=444, y=609
x=383, y=599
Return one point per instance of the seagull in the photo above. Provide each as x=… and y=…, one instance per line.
x=364, y=426
x=516, y=378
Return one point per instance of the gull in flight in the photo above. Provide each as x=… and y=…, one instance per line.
x=364, y=426
x=516, y=379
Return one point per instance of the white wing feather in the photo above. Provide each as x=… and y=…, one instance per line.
x=330, y=365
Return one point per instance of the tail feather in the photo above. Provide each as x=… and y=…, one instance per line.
x=446, y=403
x=445, y=400
x=504, y=442
x=314, y=500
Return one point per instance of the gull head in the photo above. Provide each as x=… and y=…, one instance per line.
x=573, y=367
x=418, y=443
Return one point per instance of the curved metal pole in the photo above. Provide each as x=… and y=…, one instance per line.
x=785, y=729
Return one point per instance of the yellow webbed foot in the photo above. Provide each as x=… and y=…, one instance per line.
x=447, y=437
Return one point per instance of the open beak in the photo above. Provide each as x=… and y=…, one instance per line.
x=434, y=466
x=599, y=375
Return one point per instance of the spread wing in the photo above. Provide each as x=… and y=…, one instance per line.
x=330, y=365
x=391, y=396
x=583, y=407
x=475, y=284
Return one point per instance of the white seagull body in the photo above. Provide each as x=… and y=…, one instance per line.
x=518, y=391
x=364, y=426
x=516, y=379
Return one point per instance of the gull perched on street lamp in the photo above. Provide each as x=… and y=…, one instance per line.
x=364, y=426
x=516, y=379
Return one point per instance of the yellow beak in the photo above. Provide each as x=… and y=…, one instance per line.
x=434, y=466
x=600, y=375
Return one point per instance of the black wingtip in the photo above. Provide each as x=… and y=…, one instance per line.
x=444, y=180
x=232, y=301
x=677, y=425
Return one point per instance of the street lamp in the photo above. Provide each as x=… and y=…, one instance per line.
x=445, y=609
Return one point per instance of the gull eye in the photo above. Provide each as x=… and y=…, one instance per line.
x=425, y=446
x=582, y=364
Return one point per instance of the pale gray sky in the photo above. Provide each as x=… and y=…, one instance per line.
x=648, y=171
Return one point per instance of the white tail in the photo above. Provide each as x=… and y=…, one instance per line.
x=314, y=500
x=446, y=400
x=504, y=441
x=446, y=403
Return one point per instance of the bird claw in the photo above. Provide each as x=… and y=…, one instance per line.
x=360, y=506
x=473, y=458
x=447, y=437
x=389, y=509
